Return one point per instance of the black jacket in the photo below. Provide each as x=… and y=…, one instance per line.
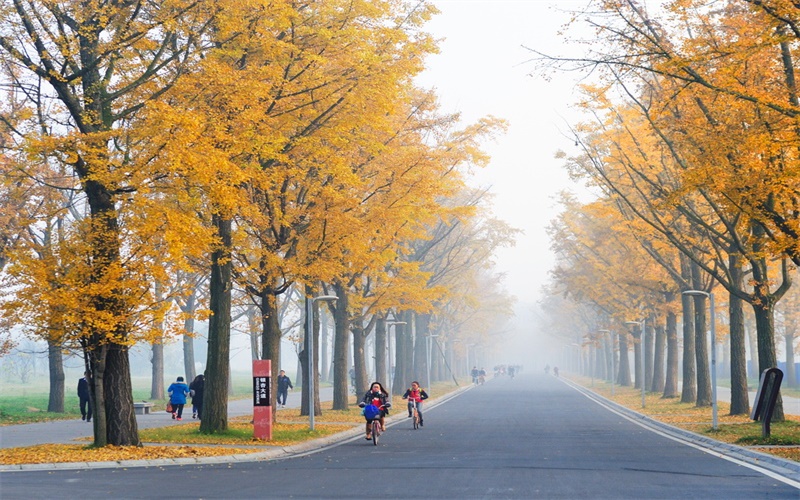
x=83, y=389
x=284, y=383
x=369, y=396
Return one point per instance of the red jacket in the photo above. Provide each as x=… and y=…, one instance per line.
x=418, y=395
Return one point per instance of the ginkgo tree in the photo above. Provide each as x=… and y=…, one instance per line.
x=100, y=63
x=717, y=145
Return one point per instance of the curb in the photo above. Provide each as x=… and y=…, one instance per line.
x=783, y=467
x=304, y=448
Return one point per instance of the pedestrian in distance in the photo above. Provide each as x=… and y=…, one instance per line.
x=85, y=396
x=474, y=374
x=178, y=391
x=415, y=394
x=284, y=384
x=196, y=389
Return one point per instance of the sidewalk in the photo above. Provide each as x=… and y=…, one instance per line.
x=69, y=431
x=60, y=432
x=791, y=405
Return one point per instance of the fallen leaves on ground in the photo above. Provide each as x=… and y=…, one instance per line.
x=62, y=453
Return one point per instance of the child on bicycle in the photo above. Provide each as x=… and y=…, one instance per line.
x=377, y=396
x=415, y=393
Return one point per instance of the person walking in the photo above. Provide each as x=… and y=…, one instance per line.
x=178, y=391
x=85, y=396
x=284, y=384
x=196, y=391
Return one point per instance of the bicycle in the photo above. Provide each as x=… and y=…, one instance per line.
x=414, y=413
x=374, y=417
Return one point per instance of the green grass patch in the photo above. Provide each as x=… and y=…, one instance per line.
x=238, y=433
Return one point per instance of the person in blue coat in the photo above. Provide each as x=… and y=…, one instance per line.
x=178, y=391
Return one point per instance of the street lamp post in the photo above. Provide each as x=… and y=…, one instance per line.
x=613, y=374
x=710, y=296
x=310, y=354
x=390, y=375
x=643, y=353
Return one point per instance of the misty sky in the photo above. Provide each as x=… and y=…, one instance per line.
x=483, y=69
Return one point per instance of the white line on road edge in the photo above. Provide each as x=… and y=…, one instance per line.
x=601, y=401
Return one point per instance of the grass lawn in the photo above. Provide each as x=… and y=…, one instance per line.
x=27, y=403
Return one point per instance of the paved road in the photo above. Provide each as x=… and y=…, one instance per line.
x=531, y=437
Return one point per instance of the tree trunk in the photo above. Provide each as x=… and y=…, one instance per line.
x=752, y=340
x=638, y=357
x=303, y=357
x=253, y=330
x=700, y=340
x=421, y=349
x=116, y=401
x=765, y=328
x=659, y=345
x=624, y=379
x=608, y=347
x=673, y=352
x=97, y=367
x=341, y=347
x=790, y=377
x=122, y=427
x=188, y=337
x=157, y=373
x=55, y=361
x=359, y=356
x=271, y=339
x=324, y=347
x=404, y=354
x=157, y=348
x=215, y=396
x=381, y=372
x=689, y=388
x=740, y=399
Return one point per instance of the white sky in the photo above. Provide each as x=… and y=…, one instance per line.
x=483, y=69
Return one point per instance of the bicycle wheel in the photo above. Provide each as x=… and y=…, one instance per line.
x=416, y=419
x=376, y=430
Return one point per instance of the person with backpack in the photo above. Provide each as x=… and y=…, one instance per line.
x=378, y=397
x=415, y=394
x=178, y=391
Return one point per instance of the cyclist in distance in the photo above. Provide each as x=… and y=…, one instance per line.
x=415, y=393
x=377, y=396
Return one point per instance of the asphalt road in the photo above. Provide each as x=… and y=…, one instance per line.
x=530, y=437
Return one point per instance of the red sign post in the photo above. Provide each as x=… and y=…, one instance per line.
x=262, y=399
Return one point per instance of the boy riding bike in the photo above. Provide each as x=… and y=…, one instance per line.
x=415, y=394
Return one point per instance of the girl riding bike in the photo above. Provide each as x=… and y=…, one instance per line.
x=417, y=395
x=376, y=396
